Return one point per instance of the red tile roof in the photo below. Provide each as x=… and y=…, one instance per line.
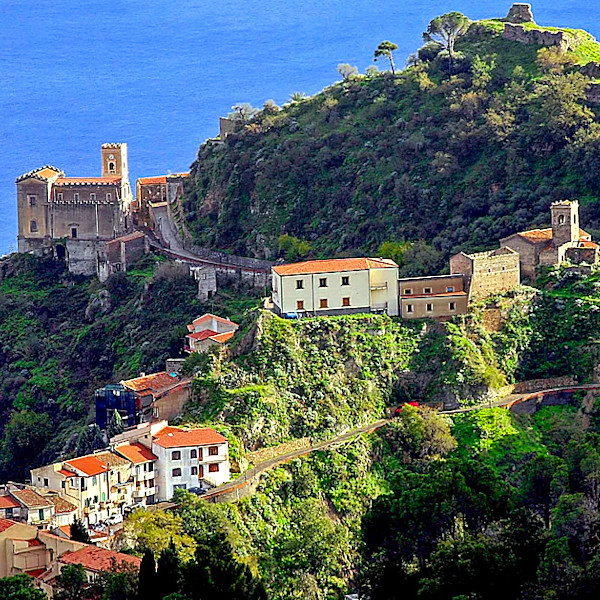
x=155, y=382
x=152, y=180
x=587, y=244
x=89, y=465
x=8, y=502
x=201, y=335
x=6, y=524
x=441, y=294
x=35, y=572
x=209, y=316
x=334, y=265
x=66, y=473
x=137, y=453
x=61, y=506
x=96, y=559
x=223, y=337
x=174, y=437
x=545, y=235
x=30, y=498
x=136, y=235
x=34, y=542
x=87, y=180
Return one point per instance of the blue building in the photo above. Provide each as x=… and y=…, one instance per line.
x=116, y=397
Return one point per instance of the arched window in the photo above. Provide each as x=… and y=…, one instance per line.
x=561, y=219
x=33, y=226
x=111, y=167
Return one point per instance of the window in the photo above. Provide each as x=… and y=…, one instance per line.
x=41, y=512
x=427, y=290
x=299, y=284
x=32, y=199
x=33, y=226
x=452, y=306
x=201, y=473
x=176, y=472
x=345, y=301
x=199, y=453
x=45, y=482
x=345, y=280
x=407, y=291
x=63, y=484
x=9, y=513
x=94, y=480
x=194, y=470
x=323, y=303
x=213, y=451
x=299, y=304
x=176, y=455
x=213, y=468
x=74, y=232
x=323, y=282
x=561, y=219
x=59, y=196
x=108, y=197
x=409, y=308
x=150, y=466
x=194, y=453
x=429, y=308
x=450, y=289
x=95, y=500
x=111, y=167
x=180, y=486
x=76, y=196
x=92, y=196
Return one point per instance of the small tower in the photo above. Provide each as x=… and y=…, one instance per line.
x=114, y=161
x=565, y=222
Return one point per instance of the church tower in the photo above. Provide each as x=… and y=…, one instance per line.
x=565, y=222
x=114, y=161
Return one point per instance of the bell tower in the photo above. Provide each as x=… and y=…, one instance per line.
x=114, y=161
x=565, y=222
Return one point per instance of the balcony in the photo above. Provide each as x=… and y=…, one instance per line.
x=144, y=492
x=379, y=286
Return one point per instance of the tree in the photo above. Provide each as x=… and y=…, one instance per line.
x=347, y=71
x=71, y=584
x=393, y=250
x=168, y=572
x=243, y=112
x=445, y=30
x=386, y=50
x=79, y=532
x=20, y=587
x=147, y=583
x=90, y=439
x=115, y=425
x=297, y=97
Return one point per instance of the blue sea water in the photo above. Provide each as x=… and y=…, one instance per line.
x=158, y=73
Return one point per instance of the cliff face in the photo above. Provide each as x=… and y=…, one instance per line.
x=457, y=161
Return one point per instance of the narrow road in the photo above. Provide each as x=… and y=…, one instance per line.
x=253, y=474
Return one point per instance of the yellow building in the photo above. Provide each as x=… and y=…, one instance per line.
x=335, y=287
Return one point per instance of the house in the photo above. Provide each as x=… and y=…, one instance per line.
x=565, y=240
x=143, y=460
x=155, y=191
x=35, y=509
x=336, y=286
x=9, y=507
x=119, y=254
x=189, y=458
x=75, y=215
x=113, y=398
x=437, y=296
x=488, y=273
x=64, y=511
x=95, y=560
x=160, y=395
x=207, y=331
x=20, y=549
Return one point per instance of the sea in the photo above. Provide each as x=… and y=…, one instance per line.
x=158, y=74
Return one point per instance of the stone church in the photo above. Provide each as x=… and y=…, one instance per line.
x=76, y=216
x=564, y=241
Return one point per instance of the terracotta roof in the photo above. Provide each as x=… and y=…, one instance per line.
x=584, y=235
x=334, y=265
x=6, y=524
x=96, y=559
x=43, y=173
x=8, y=502
x=128, y=238
x=544, y=235
x=209, y=316
x=33, y=542
x=440, y=295
x=66, y=473
x=178, y=175
x=90, y=465
x=201, y=335
x=35, y=572
x=223, y=337
x=111, y=459
x=61, y=505
x=587, y=244
x=66, y=529
x=30, y=498
x=87, y=181
x=154, y=382
x=153, y=180
x=174, y=437
x=137, y=453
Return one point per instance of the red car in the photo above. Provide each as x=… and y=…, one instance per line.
x=399, y=409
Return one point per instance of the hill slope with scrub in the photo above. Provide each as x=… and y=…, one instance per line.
x=450, y=161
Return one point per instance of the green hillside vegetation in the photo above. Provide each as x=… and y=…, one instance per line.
x=449, y=161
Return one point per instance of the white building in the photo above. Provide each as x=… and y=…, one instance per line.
x=207, y=331
x=336, y=286
x=189, y=459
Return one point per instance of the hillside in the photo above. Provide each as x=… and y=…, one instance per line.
x=454, y=161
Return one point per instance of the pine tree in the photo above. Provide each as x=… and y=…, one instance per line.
x=115, y=425
x=147, y=582
x=79, y=532
x=168, y=572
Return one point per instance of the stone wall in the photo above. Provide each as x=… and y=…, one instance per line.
x=540, y=37
x=528, y=254
x=535, y=385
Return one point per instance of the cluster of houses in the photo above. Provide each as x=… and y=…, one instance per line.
x=355, y=285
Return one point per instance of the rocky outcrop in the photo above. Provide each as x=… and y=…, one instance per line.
x=540, y=37
x=520, y=13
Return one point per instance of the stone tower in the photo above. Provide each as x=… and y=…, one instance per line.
x=565, y=222
x=114, y=161
x=520, y=13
